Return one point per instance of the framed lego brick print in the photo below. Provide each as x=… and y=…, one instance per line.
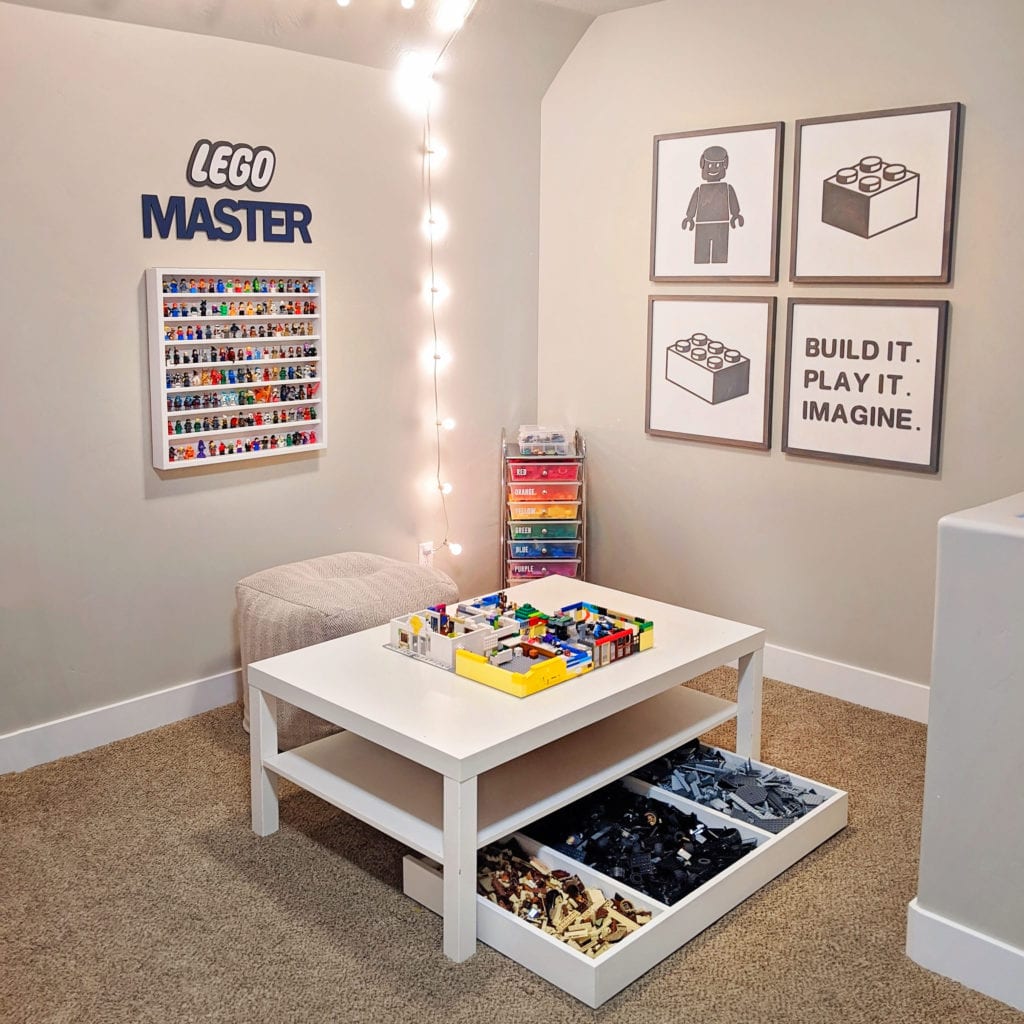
x=865, y=381
x=709, y=368
x=715, y=204
x=874, y=196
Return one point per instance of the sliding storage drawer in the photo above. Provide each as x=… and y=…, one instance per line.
x=544, y=549
x=543, y=510
x=593, y=980
x=540, y=470
x=543, y=491
x=544, y=531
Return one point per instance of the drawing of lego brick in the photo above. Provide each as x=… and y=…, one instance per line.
x=871, y=197
x=707, y=369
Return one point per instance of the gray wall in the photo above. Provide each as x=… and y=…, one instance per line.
x=118, y=580
x=835, y=560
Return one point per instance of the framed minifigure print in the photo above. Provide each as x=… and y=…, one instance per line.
x=873, y=197
x=715, y=204
x=709, y=368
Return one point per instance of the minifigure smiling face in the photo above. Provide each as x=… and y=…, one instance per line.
x=714, y=162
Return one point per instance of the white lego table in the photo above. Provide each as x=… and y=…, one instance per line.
x=446, y=765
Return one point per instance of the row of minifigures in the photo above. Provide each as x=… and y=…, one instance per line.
x=214, y=331
x=249, y=420
x=208, y=309
x=251, y=396
x=239, y=447
x=257, y=284
x=172, y=357
x=250, y=375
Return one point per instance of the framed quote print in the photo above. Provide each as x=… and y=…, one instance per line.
x=873, y=196
x=865, y=381
x=715, y=204
x=709, y=368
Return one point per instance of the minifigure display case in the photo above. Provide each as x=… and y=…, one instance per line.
x=543, y=508
x=237, y=364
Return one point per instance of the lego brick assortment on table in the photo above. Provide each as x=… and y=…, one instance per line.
x=654, y=847
x=555, y=901
x=760, y=796
x=515, y=647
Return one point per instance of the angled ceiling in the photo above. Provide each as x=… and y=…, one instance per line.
x=370, y=32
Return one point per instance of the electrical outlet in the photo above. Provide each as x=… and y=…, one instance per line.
x=426, y=552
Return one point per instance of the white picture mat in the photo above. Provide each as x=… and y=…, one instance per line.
x=916, y=390
x=739, y=325
x=914, y=249
x=751, y=173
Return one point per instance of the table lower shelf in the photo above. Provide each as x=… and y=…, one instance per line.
x=405, y=800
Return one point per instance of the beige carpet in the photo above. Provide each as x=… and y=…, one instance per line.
x=133, y=890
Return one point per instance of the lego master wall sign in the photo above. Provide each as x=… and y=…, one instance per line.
x=235, y=166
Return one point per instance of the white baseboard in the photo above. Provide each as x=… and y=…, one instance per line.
x=64, y=736
x=979, y=961
x=847, y=682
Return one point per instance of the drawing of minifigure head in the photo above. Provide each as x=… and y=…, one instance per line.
x=714, y=162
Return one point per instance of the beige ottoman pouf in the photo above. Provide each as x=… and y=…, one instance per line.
x=304, y=603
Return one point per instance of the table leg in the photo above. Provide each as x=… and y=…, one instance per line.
x=459, y=844
x=748, y=699
x=262, y=744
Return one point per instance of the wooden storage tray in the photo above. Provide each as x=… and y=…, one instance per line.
x=593, y=981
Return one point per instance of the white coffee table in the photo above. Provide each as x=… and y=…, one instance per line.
x=446, y=765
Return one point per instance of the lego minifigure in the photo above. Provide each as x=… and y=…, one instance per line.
x=713, y=209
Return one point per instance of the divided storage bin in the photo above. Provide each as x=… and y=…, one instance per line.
x=595, y=980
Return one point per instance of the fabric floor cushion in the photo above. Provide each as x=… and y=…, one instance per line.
x=303, y=603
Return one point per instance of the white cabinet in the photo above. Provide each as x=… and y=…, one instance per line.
x=237, y=364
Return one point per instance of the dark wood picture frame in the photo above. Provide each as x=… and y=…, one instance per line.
x=941, y=342
x=771, y=304
x=725, y=278
x=949, y=215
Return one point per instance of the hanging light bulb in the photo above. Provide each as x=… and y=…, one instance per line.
x=436, y=153
x=435, y=354
x=435, y=291
x=414, y=81
x=447, y=423
x=446, y=488
x=451, y=15
x=455, y=549
x=435, y=224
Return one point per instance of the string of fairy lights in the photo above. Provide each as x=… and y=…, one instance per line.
x=418, y=87
x=417, y=90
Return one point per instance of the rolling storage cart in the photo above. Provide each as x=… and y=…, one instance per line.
x=543, y=510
